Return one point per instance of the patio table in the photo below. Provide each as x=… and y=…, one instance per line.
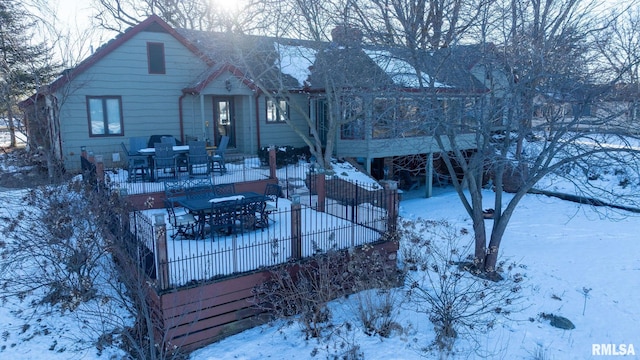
x=151, y=152
x=245, y=202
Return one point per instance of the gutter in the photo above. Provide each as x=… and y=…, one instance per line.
x=258, y=118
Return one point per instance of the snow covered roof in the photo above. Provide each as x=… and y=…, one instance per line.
x=296, y=61
x=400, y=71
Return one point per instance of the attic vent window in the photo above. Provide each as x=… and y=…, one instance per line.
x=155, y=57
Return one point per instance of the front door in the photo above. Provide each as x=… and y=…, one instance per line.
x=224, y=120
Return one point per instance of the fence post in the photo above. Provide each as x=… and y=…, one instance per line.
x=296, y=228
x=391, y=203
x=272, y=162
x=162, y=262
x=321, y=190
x=99, y=162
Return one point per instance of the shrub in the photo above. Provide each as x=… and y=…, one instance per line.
x=285, y=155
x=441, y=284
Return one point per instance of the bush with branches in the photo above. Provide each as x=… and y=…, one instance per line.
x=69, y=248
x=443, y=283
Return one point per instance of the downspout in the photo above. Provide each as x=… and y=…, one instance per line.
x=258, y=118
x=204, y=129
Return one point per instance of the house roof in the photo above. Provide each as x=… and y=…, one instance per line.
x=307, y=65
x=291, y=64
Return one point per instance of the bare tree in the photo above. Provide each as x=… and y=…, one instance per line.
x=539, y=125
x=619, y=44
x=118, y=15
x=416, y=24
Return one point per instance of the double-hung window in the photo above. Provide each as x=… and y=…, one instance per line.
x=105, y=115
x=277, y=110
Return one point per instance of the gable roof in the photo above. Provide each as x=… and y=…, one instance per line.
x=153, y=23
x=308, y=65
x=300, y=65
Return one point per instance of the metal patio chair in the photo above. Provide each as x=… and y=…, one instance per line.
x=183, y=223
x=224, y=189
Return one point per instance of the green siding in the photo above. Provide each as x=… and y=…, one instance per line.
x=149, y=101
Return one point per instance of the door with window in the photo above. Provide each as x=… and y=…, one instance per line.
x=224, y=120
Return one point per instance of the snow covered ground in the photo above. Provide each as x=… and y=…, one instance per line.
x=579, y=262
x=565, y=248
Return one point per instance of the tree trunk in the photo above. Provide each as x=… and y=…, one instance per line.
x=10, y=125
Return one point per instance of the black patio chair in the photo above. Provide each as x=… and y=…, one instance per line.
x=198, y=188
x=224, y=217
x=272, y=192
x=183, y=223
x=224, y=189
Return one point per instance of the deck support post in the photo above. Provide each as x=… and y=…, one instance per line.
x=429, y=176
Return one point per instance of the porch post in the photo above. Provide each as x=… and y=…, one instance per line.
x=272, y=162
x=99, y=162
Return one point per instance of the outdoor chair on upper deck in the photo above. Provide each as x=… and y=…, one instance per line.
x=165, y=159
x=198, y=159
x=153, y=139
x=181, y=159
x=138, y=165
x=217, y=160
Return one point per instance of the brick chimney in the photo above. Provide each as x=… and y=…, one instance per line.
x=346, y=35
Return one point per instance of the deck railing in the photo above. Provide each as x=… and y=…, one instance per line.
x=348, y=216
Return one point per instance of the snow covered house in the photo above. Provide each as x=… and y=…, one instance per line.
x=373, y=104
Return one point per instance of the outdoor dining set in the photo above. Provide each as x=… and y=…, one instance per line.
x=162, y=155
x=195, y=206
